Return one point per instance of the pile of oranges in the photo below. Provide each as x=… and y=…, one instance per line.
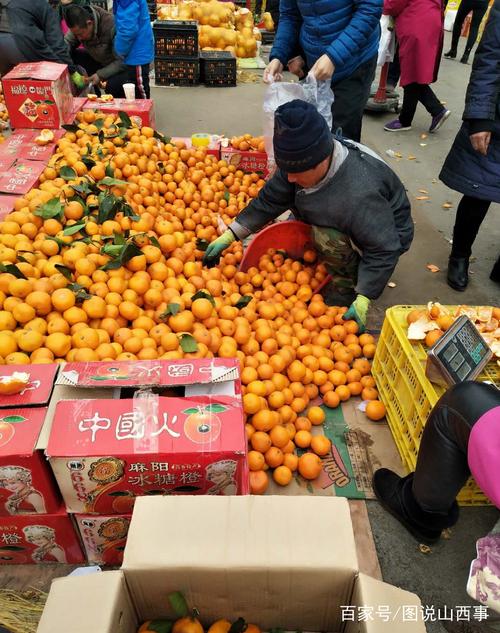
x=103, y=261
x=247, y=142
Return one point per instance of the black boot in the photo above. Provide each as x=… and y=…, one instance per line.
x=495, y=272
x=458, y=272
x=465, y=57
x=395, y=495
x=451, y=54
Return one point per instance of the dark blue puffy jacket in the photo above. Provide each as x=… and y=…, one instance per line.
x=466, y=170
x=347, y=31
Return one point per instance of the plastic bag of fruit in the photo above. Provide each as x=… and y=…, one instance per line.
x=319, y=93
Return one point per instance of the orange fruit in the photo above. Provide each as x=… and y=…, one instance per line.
x=368, y=381
x=343, y=392
x=63, y=299
x=282, y=475
x=291, y=461
x=321, y=445
x=274, y=457
x=310, y=466
x=331, y=399
x=303, y=424
x=260, y=441
x=375, y=410
x=279, y=436
x=432, y=337
x=259, y=482
x=355, y=388
x=264, y=420
x=256, y=460
x=316, y=415
x=302, y=439
x=369, y=393
x=251, y=403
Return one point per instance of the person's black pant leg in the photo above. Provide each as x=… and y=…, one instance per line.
x=410, y=102
x=351, y=95
x=463, y=11
x=442, y=467
x=477, y=16
x=394, y=69
x=470, y=215
x=429, y=100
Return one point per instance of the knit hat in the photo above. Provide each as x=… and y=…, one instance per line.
x=301, y=138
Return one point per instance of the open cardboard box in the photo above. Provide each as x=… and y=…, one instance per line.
x=285, y=562
x=104, y=381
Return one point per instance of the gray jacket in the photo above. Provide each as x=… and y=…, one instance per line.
x=363, y=199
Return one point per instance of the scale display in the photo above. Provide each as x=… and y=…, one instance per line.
x=460, y=354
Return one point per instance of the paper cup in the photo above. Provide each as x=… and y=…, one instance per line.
x=129, y=90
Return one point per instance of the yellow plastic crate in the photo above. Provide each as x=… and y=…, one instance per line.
x=409, y=396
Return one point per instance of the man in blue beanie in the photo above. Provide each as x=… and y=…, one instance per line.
x=356, y=205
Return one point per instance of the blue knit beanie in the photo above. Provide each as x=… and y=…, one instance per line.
x=301, y=138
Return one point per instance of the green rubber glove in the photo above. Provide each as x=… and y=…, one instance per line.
x=214, y=250
x=78, y=80
x=358, y=311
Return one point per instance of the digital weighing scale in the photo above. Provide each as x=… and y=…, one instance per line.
x=460, y=354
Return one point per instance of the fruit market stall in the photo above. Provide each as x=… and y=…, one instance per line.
x=246, y=380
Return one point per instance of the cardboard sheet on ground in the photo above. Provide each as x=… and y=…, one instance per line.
x=359, y=447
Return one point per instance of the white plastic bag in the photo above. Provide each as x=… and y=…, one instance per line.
x=387, y=41
x=319, y=93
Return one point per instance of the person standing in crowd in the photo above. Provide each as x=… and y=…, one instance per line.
x=462, y=436
x=419, y=29
x=478, y=8
x=94, y=28
x=134, y=42
x=340, y=43
x=30, y=32
x=473, y=165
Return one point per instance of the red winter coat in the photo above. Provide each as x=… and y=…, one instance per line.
x=420, y=32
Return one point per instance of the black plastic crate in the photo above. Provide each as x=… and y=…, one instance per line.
x=176, y=38
x=178, y=71
x=218, y=68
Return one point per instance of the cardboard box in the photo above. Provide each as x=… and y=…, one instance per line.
x=246, y=161
x=27, y=485
x=202, y=376
x=38, y=95
x=76, y=107
x=10, y=149
x=105, y=453
x=22, y=176
x=32, y=151
x=103, y=537
x=6, y=202
x=38, y=389
x=214, y=147
x=233, y=557
x=41, y=538
x=142, y=111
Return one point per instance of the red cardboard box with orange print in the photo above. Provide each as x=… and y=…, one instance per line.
x=105, y=453
x=103, y=537
x=47, y=538
x=27, y=485
x=38, y=95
